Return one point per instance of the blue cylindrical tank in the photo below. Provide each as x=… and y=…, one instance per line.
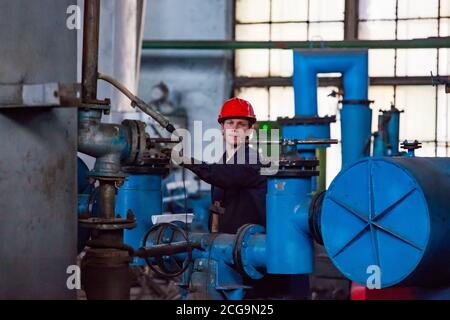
x=141, y=193
x=289, y=246
x=392, y=213
x=356, y=122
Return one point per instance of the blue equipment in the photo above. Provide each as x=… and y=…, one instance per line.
x=140, y=193
x=356, y=116
x=392, y=213
x=387, y=137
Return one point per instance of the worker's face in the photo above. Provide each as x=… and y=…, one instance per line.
x=235, y=131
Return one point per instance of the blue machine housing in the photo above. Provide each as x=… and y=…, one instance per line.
x=140, y=193
x=392, y=213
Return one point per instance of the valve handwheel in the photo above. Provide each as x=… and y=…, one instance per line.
x=160, y=267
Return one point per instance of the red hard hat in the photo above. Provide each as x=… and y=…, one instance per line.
x=237, y=108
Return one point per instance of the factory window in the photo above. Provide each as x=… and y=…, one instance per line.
x=282, y=20
x=426, y=114
x=402, y=75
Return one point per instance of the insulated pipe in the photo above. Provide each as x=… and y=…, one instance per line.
x=356, y=116
x=288, y=244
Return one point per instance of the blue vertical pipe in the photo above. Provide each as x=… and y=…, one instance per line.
x=289, y=246
x=355, y=118
x=393, y=132
x=141, y=193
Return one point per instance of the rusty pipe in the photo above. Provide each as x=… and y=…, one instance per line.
x=90, y=51
x=107, y=199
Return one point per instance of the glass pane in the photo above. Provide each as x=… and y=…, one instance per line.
x=289, y=10
x=281, y=102
x=326, y=105
x=281, y=64
x=326, y=31
x=326, y=10
x=427, y=150
x=381, y=62
x=334, y=157
x=418, y=8
x=289, y=31
x=416, y=62
x=445, y=8
x=376, y=9
x=410, y=29
x=442, y=150
x=252, y=32
x=252, y=62
x=444, y=28
x=376, y=30
x=383, y=97
x=444, y=62
x=259, y=98
x=443, y=116
x=418, y=120
x=253, y=10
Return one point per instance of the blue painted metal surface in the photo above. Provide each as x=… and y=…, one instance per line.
x=387, y=137
x=355, y=118
x=140, y=193
x=394, y=133
x=84, y=194
x=289, y=246
x=392, y=213
x=82, y=174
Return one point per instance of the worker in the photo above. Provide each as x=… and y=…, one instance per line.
x=239, y=190
x=236, y=184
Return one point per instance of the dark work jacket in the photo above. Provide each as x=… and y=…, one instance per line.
x=240, y=188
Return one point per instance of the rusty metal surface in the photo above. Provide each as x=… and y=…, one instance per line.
x=38, y=203
x=105, y=274
x=45, y=95
x=38, y=211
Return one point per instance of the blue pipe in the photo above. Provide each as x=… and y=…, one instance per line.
x=355, y=118
x=288, y=244
x=140, y=193
x=394, y=132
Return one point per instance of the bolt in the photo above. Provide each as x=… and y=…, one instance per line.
x=119, y=183
x=130, y=215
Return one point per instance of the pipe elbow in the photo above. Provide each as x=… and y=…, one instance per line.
x=100, y=140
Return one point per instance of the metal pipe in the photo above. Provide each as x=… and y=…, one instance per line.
x=107, y=142
x=90, y=50
x=136, y=102
x=442, y=42
x=165, y=249
x=107, y=199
